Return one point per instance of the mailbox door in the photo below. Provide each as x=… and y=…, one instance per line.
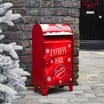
x=92, y=20
x=58, y=58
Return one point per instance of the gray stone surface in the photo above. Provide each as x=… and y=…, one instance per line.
x=89, y=91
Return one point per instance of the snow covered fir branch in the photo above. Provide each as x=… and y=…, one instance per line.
x=12, y=76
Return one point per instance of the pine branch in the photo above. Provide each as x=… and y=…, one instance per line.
x=11, y=74
x=7, y=90
x=9, y=18
x=10, y=48
x=4, y=7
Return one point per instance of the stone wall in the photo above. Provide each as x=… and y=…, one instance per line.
x=42, y=11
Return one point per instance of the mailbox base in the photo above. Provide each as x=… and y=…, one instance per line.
x=44, y=89
x=71, y=87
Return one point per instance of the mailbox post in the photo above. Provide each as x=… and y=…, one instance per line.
x=52, y=52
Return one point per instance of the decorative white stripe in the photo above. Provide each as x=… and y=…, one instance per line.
x=57, y=33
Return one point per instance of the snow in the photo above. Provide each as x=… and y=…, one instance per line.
x=4, y=7
x=9, y=17
x=44, y=26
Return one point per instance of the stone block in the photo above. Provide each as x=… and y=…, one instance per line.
x=24, y=43
x=76, y=51
x=32, y=3
x=24, y=35
x=30, y=19
x=76, y=60
x=76, y=43
x=76, y=67
x=26, y=59
x=28, y=51
x=46, y=3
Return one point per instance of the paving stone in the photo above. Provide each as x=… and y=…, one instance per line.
x=93, y=100
x=30, y=100
x=99, y=94
x=89, y=95
x=92, y=103
x=64, y=95
x=53, y=100
x=83, y=87
x=79, y=100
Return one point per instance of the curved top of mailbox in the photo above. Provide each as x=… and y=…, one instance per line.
x=56, y=29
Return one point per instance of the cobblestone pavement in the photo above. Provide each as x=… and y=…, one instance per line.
x=89, y=91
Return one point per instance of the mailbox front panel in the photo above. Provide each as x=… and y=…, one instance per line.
x=58, y=59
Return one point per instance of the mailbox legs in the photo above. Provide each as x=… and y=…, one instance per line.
x=71, y=86
x=35, y=87
x=44, y=91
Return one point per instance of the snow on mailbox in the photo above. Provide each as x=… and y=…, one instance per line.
x=52, y=62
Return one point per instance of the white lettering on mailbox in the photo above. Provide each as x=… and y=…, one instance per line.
x=58, y=51
x=59, y=59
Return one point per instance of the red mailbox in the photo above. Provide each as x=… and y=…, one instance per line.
x=52, y=62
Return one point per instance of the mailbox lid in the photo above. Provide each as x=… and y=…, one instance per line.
x=56, y=29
